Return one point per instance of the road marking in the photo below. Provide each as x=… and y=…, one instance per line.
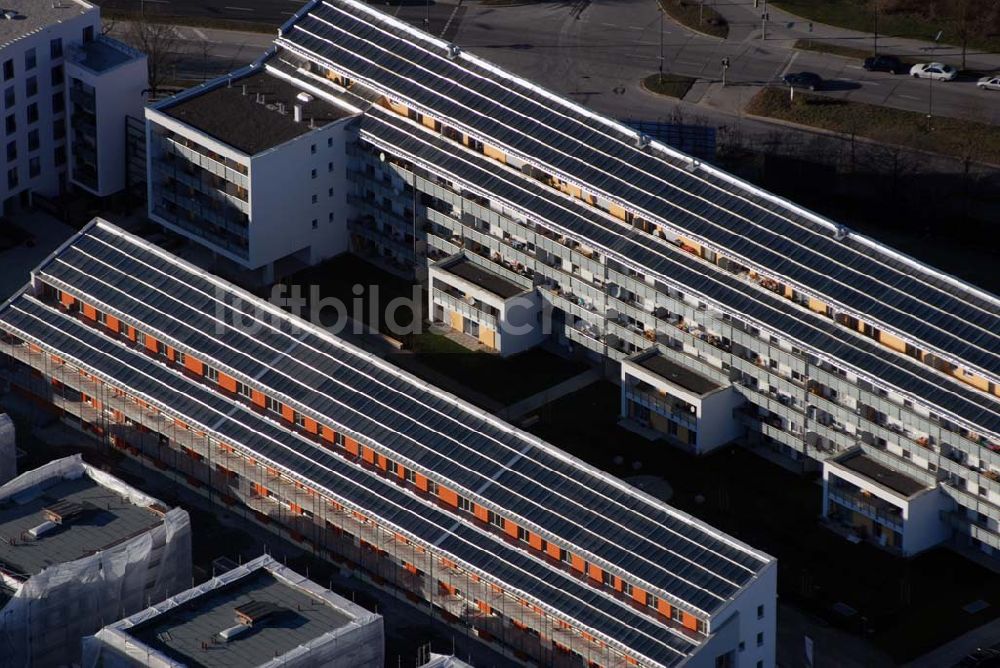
x=450, y=18
x=199, y=34
x=855, y=67
x=236, y=9
x=908, y=97
x=788, y=65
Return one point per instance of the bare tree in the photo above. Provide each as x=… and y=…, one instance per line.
x=158, y=41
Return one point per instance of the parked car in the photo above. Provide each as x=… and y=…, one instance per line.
x=938, y=71
x=989, y=83
x=981, y=658
x=884, y=64
x=803, y=80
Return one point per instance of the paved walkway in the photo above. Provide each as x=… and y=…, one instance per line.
x=951, y=653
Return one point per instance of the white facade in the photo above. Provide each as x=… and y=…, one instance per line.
x=34, y=94
x=700, y=417
x=106, y=82
x=508, y=323
x=42, y=623
x=285, y=206
x=907, y=522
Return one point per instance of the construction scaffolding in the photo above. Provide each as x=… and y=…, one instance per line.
x=51, y=610
x=520, y=629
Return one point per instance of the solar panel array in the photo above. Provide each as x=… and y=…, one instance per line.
x=412, y=424
x=753, y=228
x=365, y=491
x=715, y=285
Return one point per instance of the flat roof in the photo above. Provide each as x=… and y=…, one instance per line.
x=677, y=374
x=34, y=15
x=757, y=229
x=105, y=520
x=296, y=618
x=481, y=277
x=871, y=469
x=102, y=54
x=247, y=114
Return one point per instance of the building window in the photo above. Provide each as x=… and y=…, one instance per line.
x=272, y=404
x=315, y=199
x=312, y=149
x=760, y=612
x=8, y=69
x=652, y=601
x=313, y=173
x=58, y=103
x=140, y=338
x=676, y=614
x=31, y=86
x=12, y=151
x=10, y=97
x=244, y=390
x=179, y=357
x=57, y=75
x=701, y=626
x=329, y=167
x=55, y=48
x=12, y=177
x=495, y=519
x=522, y=534
x=30, y=59
x=606, y=579
x=329, y=142
x=411, y=476
x=329, y=192
x=11, y=124
x=329, y=217
x=626, y=588
x=464, y=504
x=33, y=140
x=58, y=129
x=60, y=156
x=102, y=317
x=32, y=112
x=432, y=487
x=212, y=374
x=34, y=167
x=564, y=556
x=315, y=223
x=391, y=467
x=300, y=420
x=760, y=639
x=88, y=34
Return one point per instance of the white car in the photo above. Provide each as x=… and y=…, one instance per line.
x=989, y=83
x=938, y=71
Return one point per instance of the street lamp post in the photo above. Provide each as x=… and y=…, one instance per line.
x=661, y=42
x=725, y=68
x=875, y=39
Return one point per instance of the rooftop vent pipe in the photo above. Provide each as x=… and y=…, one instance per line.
x=298, y=113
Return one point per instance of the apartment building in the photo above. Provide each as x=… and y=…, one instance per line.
x=58, y=72
x=78, y=546
x=252, y=167
x=465, y=516
x=258, y=615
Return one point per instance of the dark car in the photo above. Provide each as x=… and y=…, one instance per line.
x=803, y=80
x=981, y=658
x=884, y=64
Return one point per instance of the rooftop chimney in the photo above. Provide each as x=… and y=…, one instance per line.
x=298, y=113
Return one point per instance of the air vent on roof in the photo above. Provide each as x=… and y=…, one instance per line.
x=42, y=529
x=453, y=51
x=841, y=233
x=693, y=165
x=232, y=632
x=642, y=141
x=304, y=97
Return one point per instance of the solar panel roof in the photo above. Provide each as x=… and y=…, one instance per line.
x=418, y=426
x=754, y=227
x=759, y=306
x=397, y=508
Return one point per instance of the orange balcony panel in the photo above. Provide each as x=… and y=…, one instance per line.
x=256, y=398
x=689, y=621
x=553, y=551
x=535, y=541
x=151, y=344
x=596, y=573
x=510, y=528
x=577, y=563
x=382, y=462
x=481, y=513
x=228, y=383
x=194, y=366
x=327, y=434
x=368, y=455
x=639, y=595
x=352, y=446
x=663, y=607
x=448, y=496
x=113, y=324
x=88, y=311
x=311, y=426
x=67, y=300
x=421, y=482
x=288, y=413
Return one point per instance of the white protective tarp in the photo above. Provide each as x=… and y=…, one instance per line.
x=358, y=644
x=42, y=625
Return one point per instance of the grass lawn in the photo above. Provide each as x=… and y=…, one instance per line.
x=859, y=15
x=504, y=380
x=910, y=606
x=673, y=85
x=696, y=15
x=835, y=49
x=950, y=136
x=342, y=277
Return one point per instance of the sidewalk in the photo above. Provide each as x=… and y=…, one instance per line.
x=784, y=26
